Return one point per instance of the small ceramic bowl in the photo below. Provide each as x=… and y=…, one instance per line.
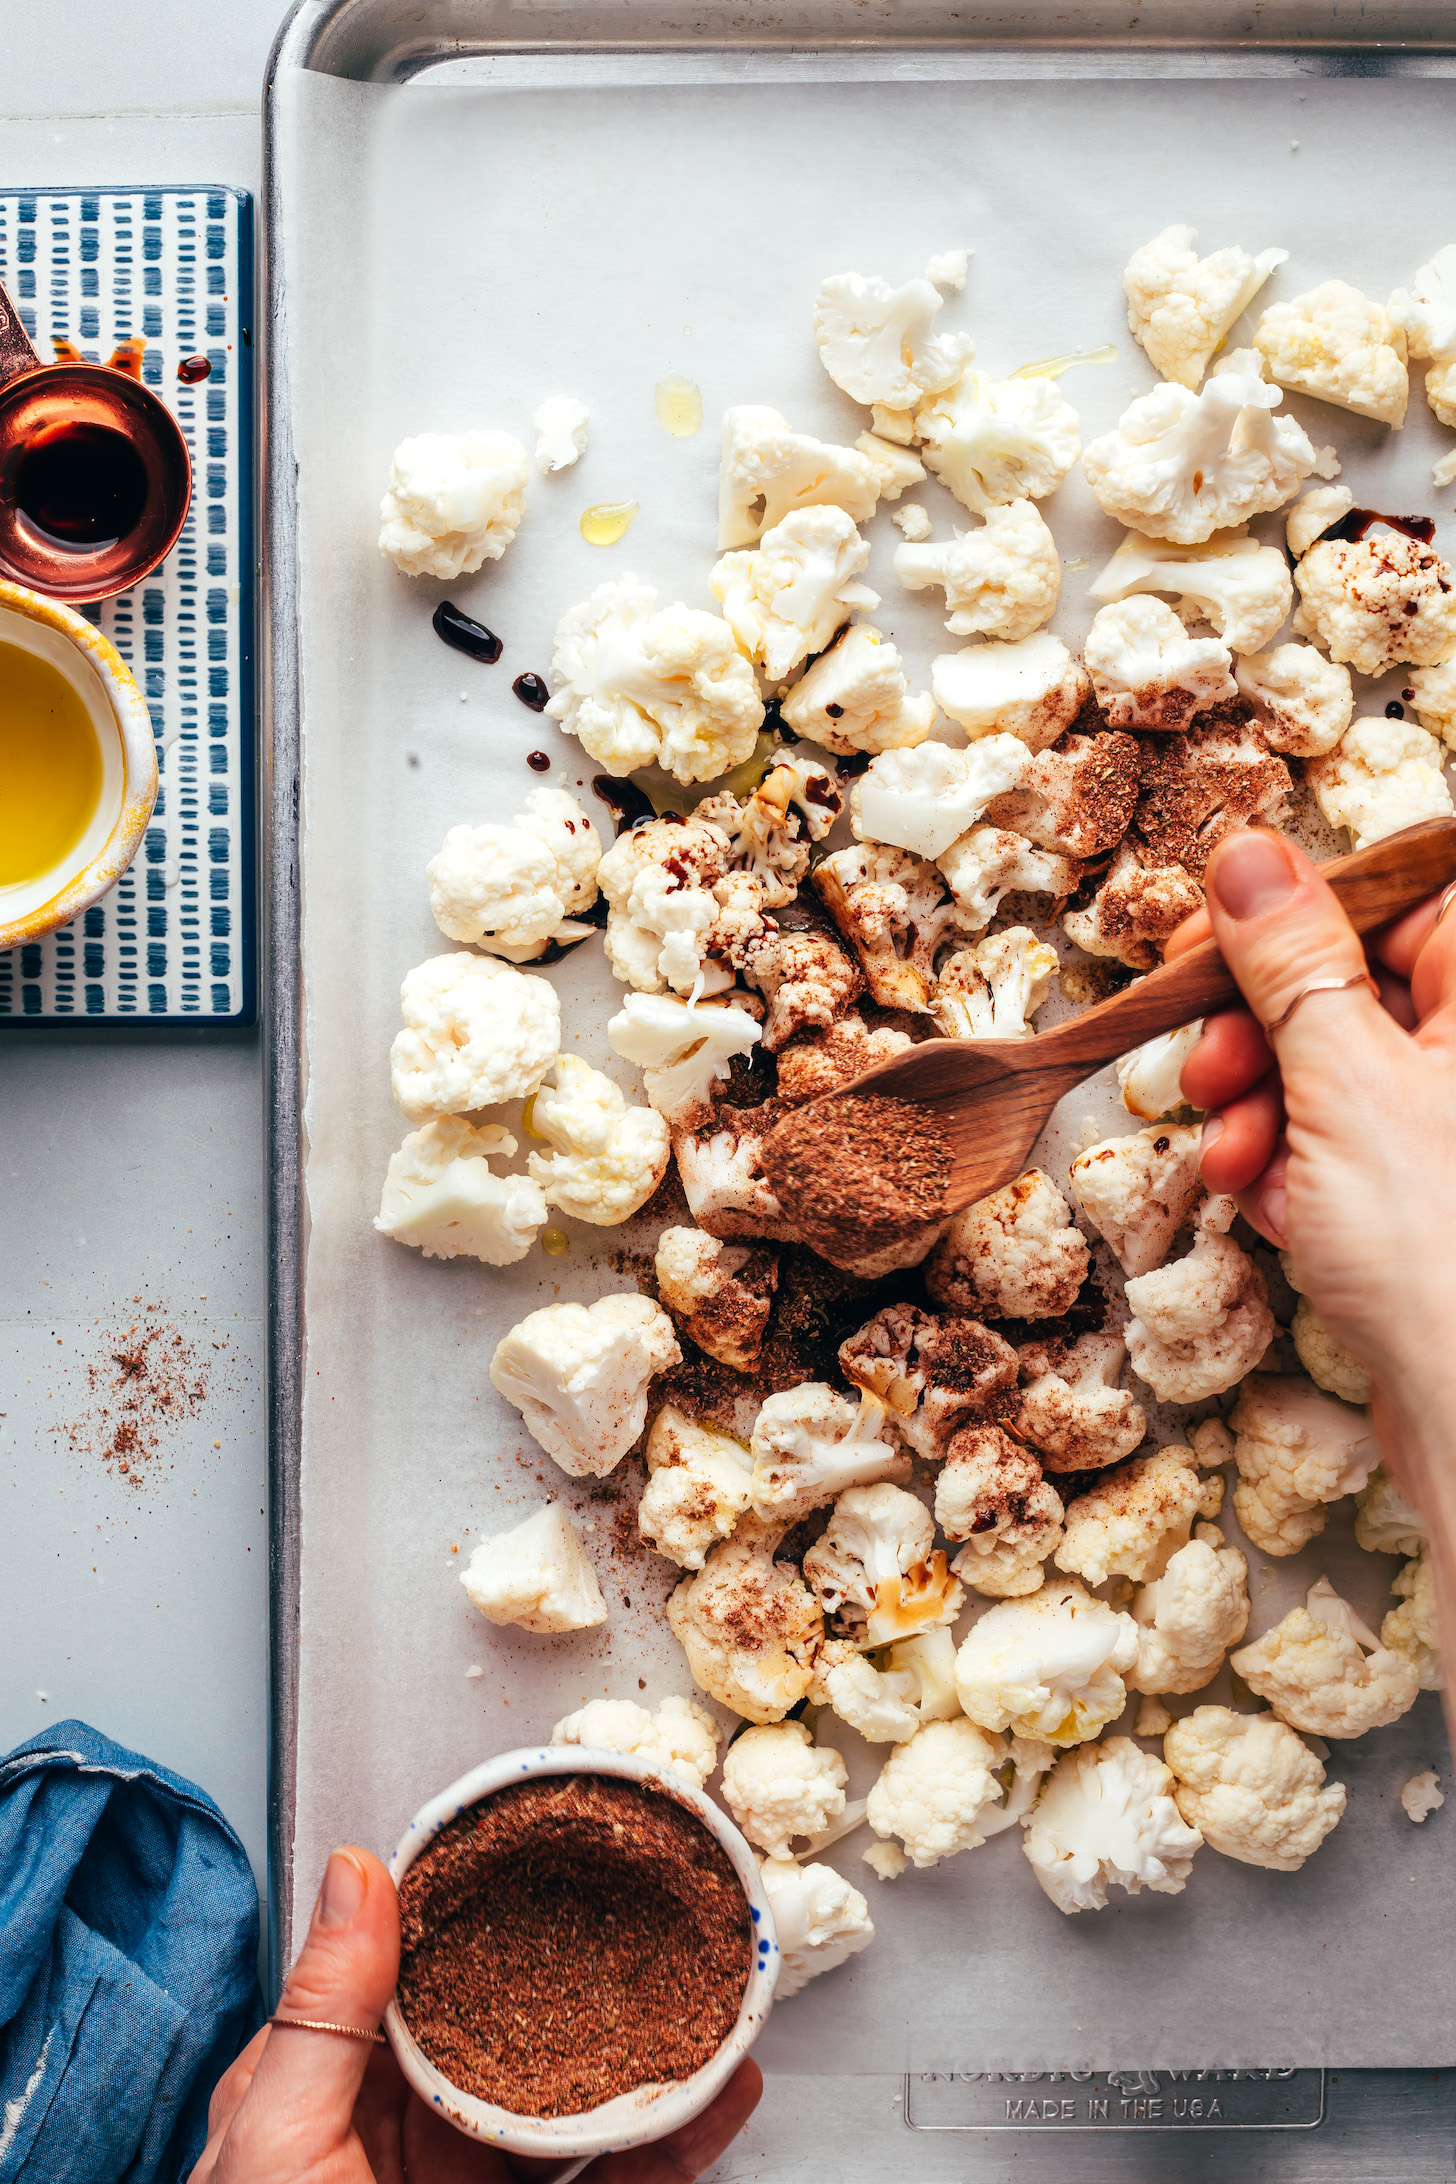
x=651, y=2111
x=99, y=676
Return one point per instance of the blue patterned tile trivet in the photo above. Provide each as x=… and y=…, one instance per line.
x=176, y=938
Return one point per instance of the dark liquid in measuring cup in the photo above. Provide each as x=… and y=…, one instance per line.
x=81, y=485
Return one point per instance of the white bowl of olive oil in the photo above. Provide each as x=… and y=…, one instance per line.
x=78, y=768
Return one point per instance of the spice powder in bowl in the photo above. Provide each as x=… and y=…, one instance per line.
x=570, y=1939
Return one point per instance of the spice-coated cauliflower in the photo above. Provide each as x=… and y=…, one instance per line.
x=719, y=1294
x=1253, y=1789
x=991, y=1494
x=441, y=1197
x=1334, y=344
x=988, y=862
x=1051, y=1665
x=886, y=1695
x=855, y=698
x=1433, y=693
x=1136, y=1517
x=1001, y=581
x=993, y=990
x=924, y=800
x=1180, y=466
x=1138, y=905
x=819, y=1919
x=1138, y=1191
x=1200, y=1323
x=1324, y=1672
x=720, y=1167
x=935, y=1792
x=579, y=1373
x=778, y=1783
x=936, y=1375
x=1012, y=1255
x=561, y=423
x=1033, y=689
x=1411, y=1629
x=645, y=685
x=1180, y=306
x=895, y=910
x=1377, y=601
x=1106, y=1818
x=1189, y=1617
x=1072, y=1410
x=536, y=1576
x=514, y=889
x=785, y=598
x=879, y=343
x=809, y=1444
x=677, y=913
x=749, y=1625
x=1146, y=669
x=607, y=1158
x=997, y=441
x=823, y=1061
x=873, y=1569
x=1381, y=776
x=1302, y=701
x=1230, y=580
x=1387, y=1522
x=681, y=1737
x=454, y=500
x=806, y=978
x=767, y=472
x=771, y=834
x=475, y=1033
x=1196, y=788
x=1078, y=798
x=697, y=1488
x=684, y=1050
x=1297, y=1451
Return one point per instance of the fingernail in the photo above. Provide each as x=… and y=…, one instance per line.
x=1251, y=875
x=1275, y=1209
x=1212, y=1132
x=342, y=1895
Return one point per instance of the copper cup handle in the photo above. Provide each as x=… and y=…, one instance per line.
x=16, y=352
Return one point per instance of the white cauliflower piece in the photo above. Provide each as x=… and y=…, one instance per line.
x=1138, y=905
x=561, y=423
x=749, y=1625
x=995, y=441
x=1050, y=1666
x=809, y=1444
x=1072, y=1410
x=873, y=1571
x=537, y=1576
x=896, y=469
x=1419, y=1795
x=786, y=597
x=1232, y=581
x=645, y=685
x=807, y=979
x=879, y=343
x=887, y=1860
x=1001, y=581
x=1199, y=1324
x=1150, y=1077
x=948, y=268
x=677, y=913
x=608, y=1158
x=1377, y=601
x=1302, y=701
x=1137, y=1517
x=697, y=1488
x=719, y=1294
x=514, y=889
x=1335, y=344
x=475, y=1033
x=1106, y=1819
x=912, y=522
x=855, y=698
x=1146, y=669
x=1297, y=1450
x=820, y=1921
x=683, y=1049
x=1012, y=1255
x=1329, y=1364
x=1433, y=693
x=767, y=472
x=454, y=500
x=936, y=1375
x=1033, y=689
x=1324, y=1672
x=988, y=862
x=441, y=1198
x=1253, y=1789
x=924, y=800
x=1181, y=466
x=1381, y=776
x=1181, y=306
x=1387, y=1522
x=1313, y=514
x=886, y=1696
x=933, y=1791
x=894, y=910
x=1189, y=1617
x=578, y=1374
x=1138, y=1191
x=991, y=1494
x=1426, y=311
x=778, y=1783
x=1411, y=1629
x=681, y=1737
x=993, y=990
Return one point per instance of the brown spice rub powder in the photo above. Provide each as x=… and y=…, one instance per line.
x=860, y=1170
x=571, y=1939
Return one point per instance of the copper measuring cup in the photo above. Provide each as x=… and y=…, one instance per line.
x=95, y=478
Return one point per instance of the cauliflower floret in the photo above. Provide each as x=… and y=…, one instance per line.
x=1302, y=701
x=1012, y=1255
x=1313, y=514
x=1232, y=581
x=948, y=268
x=1181, y=466
x=697, y=1488
x=578, y=1374
x=683, y=1049
x=1336, y=345
x=608, y=1158
x=936, y=1375
x=677, y=914
x=1253, y=1789
x=475, y=1033
x=561, y=423
x=873, y=1571
x=896, y=469
x=749, y=1625
x=441, y=1198
x=809, y=1444
x=993, y=990
x=719, y=1294
x=1377, y=601
x=1181, y=306
x=988, y=862
x=786, y=597
x=1138, y=1191
x=778, y=1783
x=454, y=500
x=1322, y=1671
x=1135, y=1519
x=878, y=343
x=807, y=979
x=514, y=889
x=1050, y=1665
x=824, y=1061
x=894, y=910
x=1134, y=910
x=681, y=1737
x=819, y=1919
x=1420, y=1797
x=1196, y=788
x=643, y=685
x=1433, y=693
x=1079, y=798
x=1383, y=775
x=924, y=800
x=795, y=805
x=1105, y=1819
x=887, y=1695
x=991, y=1494
x=912, y=522
x=1200, y=1323
x=720, y=1166
x=1410, y=1630
x=1297, y=1450
x=1148, y=672
x=1426, y=311
x=1150, y=1078
x=1072, y=1410
x=1189, y=1617
x=994, y=441
x=855, y=698
x=1386, y=1521
x=934, y=1791
x=536, y=1576
x=1033, y=689
x=768, y=471
x=1001, y=581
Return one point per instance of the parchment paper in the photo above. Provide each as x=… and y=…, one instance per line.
x=456, y=255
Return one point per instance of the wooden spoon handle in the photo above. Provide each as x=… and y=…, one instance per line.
x=1374, y=886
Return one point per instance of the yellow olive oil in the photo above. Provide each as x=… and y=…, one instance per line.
x=679, y=404
x=604, y=523
x=50, y=766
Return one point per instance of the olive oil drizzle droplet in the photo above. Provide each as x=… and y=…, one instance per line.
x=555, y=1241
x=606, y=521
x=679, y=403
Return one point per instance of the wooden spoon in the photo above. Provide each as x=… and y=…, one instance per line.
x=993, y=1096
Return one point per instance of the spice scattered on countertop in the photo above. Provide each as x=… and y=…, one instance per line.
x=531, y=689
x=569, y=1940
x=148, y=1380
x=466, y=634
x=859, y=1170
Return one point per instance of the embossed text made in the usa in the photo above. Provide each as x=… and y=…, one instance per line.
x=1116, y=2100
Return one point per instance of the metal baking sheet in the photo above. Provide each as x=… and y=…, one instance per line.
x=552, y=236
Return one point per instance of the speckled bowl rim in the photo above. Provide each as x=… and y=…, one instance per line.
x=632, y=2119
x=138, y=769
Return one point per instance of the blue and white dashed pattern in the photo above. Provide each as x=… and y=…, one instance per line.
x=176, y=937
